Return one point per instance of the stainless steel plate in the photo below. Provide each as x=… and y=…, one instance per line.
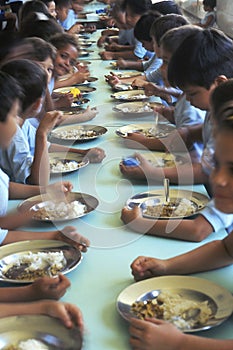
x=10, y=252
x=64, y=159
x=193, y=288
x=157, y=197
x=48, y=330
x=164, y=160
x=162, y=130
x=84, y=90
x=77, y=133
x=39, y=202
x=88, y=81
x=132, y=95
x=138, y=108
x=128, y=74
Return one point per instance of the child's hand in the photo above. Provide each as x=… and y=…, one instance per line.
x=95, y=155
x=129, y=215
x=145, y=267
x=49, y=121
x=76, y=28
x=154, y=334
x=59, y=188
x=138, y=82
x=121, y=63
x=135, y=140
x=49, y=287
x=112, y=79
x=69, y=314
x=69, y=235
x=142, y=171
x=64, y=100
x=106, y=55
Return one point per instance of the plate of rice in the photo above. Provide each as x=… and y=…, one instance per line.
x=183, y=203
x=66, y=162
x=24, y=262
x=192, y=304
x=38, y=332
x=77, y=133
x=52, y=208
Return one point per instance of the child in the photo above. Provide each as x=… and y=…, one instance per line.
x=66, y=59
x=210, y=17
x=134, y=10
x=196, y=67
x=10, y=95
x=66, y=17
x=142, y=33
x=183, y=114
x=157, y=334
x=51, y=7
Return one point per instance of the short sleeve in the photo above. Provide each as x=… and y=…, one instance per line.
x=3, y=234
x=217, y=219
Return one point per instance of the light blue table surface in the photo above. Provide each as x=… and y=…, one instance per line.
x=105, y=269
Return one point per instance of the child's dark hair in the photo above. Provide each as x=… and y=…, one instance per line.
x=39, y=25
x=221, y=101
x=173, y=38
x=32, y=6
x=62, y=3
x=164, y=23
x=40, y=49
x=201, y=58
x=166, y=7
x=31, y=77
x=138, y=6
x=10, y=91
x=210, y=3
x=143, y=25
x=61, y=40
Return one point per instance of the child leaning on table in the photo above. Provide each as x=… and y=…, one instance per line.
x=157, y=334
x=203, y=61
x=48, y=288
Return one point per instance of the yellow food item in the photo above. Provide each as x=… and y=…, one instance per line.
x=75, y=92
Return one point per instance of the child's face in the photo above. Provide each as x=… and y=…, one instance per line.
x=131, y=17
x=156, y=48
x=222, y=176
x=148, y=45
x=65, y=60
x=62, y=13
x=198, y=96
x=52, y=9
x=48, y=67
x=8, y=128
x=166, y=56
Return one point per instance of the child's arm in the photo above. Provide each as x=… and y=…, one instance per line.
x=40, y=169
x=197, y=260
x=126, y=64
x=110, y=55
x=75, y=78
x=68, y=234
x=95, y=154
x=69, y=314
x=181, y=174
x=194, y=230
x=42, y=288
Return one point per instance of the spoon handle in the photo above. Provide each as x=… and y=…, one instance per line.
x=166, y=190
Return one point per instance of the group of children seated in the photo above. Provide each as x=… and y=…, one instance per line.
x=190, y=68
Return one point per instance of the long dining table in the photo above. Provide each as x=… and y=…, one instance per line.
x=105, y=269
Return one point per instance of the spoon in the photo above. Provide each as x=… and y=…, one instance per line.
x=166, y=190
x=153, y=130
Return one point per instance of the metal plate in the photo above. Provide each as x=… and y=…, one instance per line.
x=10, y=252
x=49, y=330
x=162, y=130
x=87, y=82
x=37, y=203
x=138, y=108
x=198, y=289
x=127, y=74
x=157, y=198
x=132, y=95
x=83, y=89
x=65, y=158
x=77, y=133
x=164, y=160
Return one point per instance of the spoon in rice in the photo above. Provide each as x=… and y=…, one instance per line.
x=167, y=202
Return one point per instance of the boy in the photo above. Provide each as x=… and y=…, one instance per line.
x=209, y=219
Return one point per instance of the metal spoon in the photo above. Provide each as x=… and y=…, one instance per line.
x=166, y=190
